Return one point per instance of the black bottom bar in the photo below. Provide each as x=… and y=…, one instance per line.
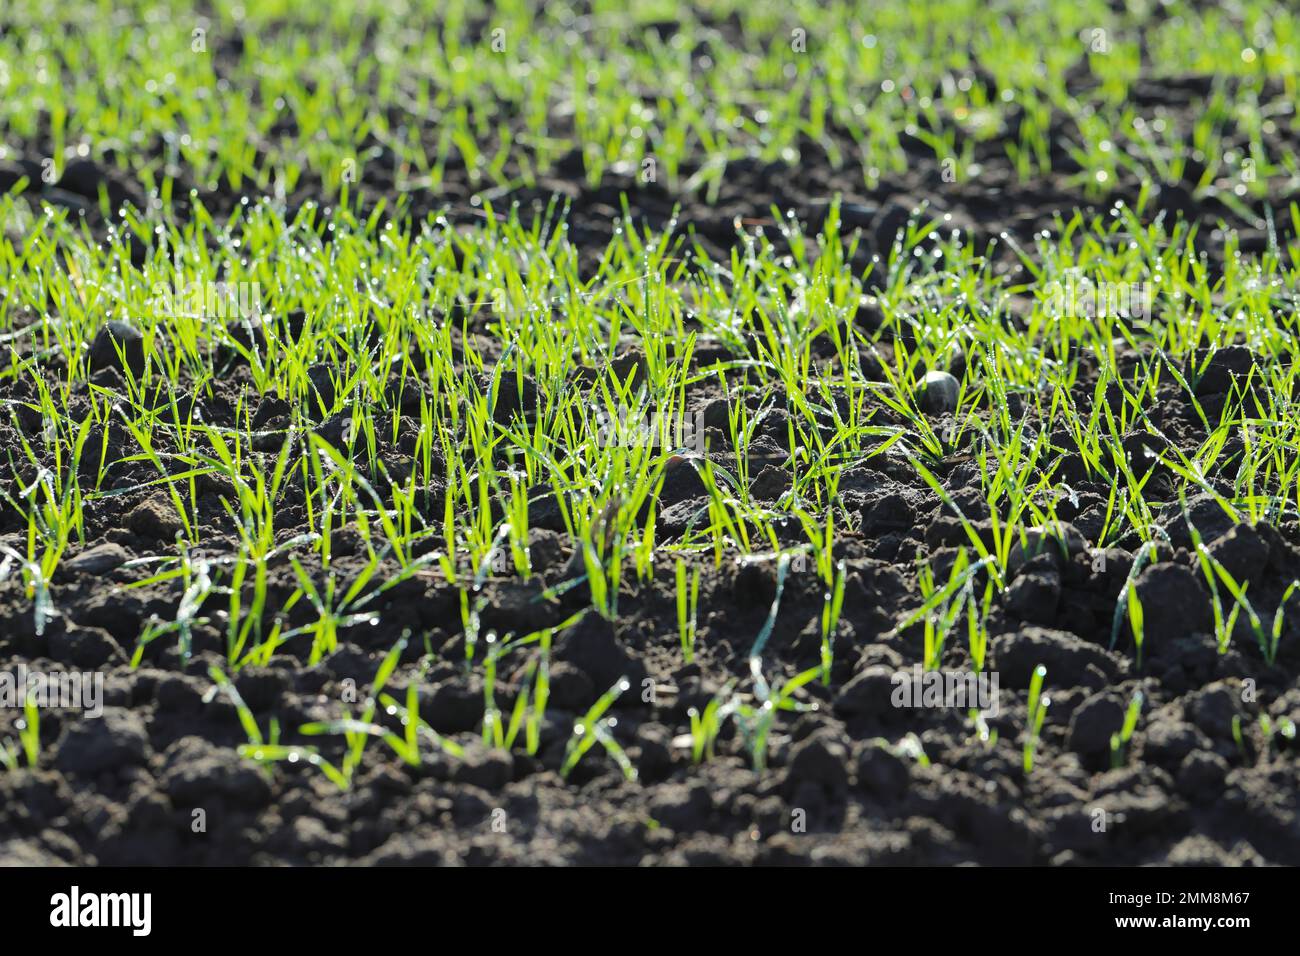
x=335, y=906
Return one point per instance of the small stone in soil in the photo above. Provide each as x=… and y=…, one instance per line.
x=113, y=338
x=100, y=559
x=937, y=393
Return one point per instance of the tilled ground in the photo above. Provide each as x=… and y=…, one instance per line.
x=1201, y=784
x=124, y=788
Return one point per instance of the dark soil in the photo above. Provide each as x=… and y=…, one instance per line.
x=1200, y=784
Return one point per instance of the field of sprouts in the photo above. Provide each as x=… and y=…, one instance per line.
x=789, y=432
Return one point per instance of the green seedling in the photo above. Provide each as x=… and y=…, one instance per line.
x=1119, y=740
x=1038, y=704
